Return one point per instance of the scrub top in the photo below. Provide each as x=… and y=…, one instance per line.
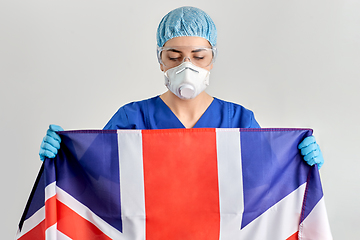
x=153, y=113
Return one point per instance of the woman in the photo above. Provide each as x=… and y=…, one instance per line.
x=186, y=39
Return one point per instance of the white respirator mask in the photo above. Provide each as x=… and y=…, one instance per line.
x=187, y=80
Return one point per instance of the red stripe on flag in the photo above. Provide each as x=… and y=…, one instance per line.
x=38, y=232
x=50, y=212
x=293, y=237
x=76, y=227
x=181, y=185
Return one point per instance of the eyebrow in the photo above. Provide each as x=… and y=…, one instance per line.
x=174, y=50
x=198, y=50
x=193, y=51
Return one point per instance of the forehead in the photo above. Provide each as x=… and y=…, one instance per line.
x=187, y=41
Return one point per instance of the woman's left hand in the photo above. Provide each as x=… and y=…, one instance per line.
x=311, y=152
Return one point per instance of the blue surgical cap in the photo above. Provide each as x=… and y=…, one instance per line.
x=186, y=21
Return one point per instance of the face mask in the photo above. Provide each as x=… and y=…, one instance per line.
x=187, y=80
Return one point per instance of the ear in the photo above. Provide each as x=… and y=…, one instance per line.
x=211, y=66
x=161, y=67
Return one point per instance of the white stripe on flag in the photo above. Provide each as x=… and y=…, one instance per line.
x=39, y=215
x=132, y=183
x=32, y=222
x=51, y=232
x=269, y=226
x=61, y=236
x=87, y=214
x=316, y=224
x=230, y=182
x=50, y=190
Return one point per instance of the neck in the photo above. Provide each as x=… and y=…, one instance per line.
x=187, y=111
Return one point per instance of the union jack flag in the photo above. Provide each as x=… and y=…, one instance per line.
x=177, y=184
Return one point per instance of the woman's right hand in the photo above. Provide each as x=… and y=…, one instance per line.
x=50, y=143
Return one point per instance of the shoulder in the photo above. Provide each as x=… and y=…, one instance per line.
x=131, y=115
x=139, y=105
x=240, y=117
x=232, y=107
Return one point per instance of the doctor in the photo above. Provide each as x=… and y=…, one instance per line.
x=186, y=51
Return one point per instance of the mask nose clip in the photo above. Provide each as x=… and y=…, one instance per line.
x=185, y=68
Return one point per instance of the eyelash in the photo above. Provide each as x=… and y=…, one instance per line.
x=176, y=59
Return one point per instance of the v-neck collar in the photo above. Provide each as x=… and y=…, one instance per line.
x=172, y=115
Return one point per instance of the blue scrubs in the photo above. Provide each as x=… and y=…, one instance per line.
x=153, y=113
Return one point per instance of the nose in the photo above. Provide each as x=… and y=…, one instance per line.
x=187, y=59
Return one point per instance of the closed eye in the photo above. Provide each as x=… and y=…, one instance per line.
x=174, y=59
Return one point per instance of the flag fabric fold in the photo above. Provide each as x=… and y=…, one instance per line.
x=177, y=184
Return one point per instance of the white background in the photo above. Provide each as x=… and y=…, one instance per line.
x=74, y=63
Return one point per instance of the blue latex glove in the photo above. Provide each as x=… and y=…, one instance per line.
x=50, y=143
x=311, y=151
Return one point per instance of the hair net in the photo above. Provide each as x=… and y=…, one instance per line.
x=186, y=21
